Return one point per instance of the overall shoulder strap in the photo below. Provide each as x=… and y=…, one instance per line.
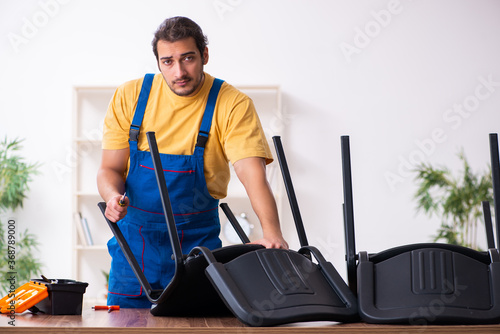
x=206, y=122
x=140, y=108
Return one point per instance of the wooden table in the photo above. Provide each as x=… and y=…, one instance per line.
x=141, y=321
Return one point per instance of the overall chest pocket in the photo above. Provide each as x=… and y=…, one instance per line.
x=181, y=185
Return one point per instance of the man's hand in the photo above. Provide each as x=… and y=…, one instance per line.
x=115, y=211
x=276, y=242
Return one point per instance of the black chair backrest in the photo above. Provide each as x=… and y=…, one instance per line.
x=277, y=286
x=400, y=284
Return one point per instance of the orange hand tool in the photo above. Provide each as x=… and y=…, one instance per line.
x=24, y=297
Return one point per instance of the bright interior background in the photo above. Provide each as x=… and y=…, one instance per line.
x=391, y=74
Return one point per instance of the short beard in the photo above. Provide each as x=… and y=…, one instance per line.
x=190, y=91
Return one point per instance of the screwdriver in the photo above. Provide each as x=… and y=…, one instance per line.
x=122, y=200
x=108, y=307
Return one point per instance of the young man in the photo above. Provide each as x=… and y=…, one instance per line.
x=201, y=124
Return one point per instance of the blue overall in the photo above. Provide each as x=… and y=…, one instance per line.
x=195, y=210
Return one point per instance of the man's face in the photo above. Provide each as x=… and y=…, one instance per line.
x=181, y=65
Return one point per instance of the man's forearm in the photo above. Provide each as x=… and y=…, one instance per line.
x=109, y=184
x=264, y=205
x=252, y=174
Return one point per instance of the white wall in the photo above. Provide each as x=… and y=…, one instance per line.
x=405, y=66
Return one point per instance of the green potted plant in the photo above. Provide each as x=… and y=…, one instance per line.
x=455, y=199
x=18, y=263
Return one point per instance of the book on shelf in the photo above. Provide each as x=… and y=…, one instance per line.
x=79, y=230
x=83, y=230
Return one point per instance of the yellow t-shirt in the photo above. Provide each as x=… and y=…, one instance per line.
x=235, y=133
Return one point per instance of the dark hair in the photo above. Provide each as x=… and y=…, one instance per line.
x=176, y=28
